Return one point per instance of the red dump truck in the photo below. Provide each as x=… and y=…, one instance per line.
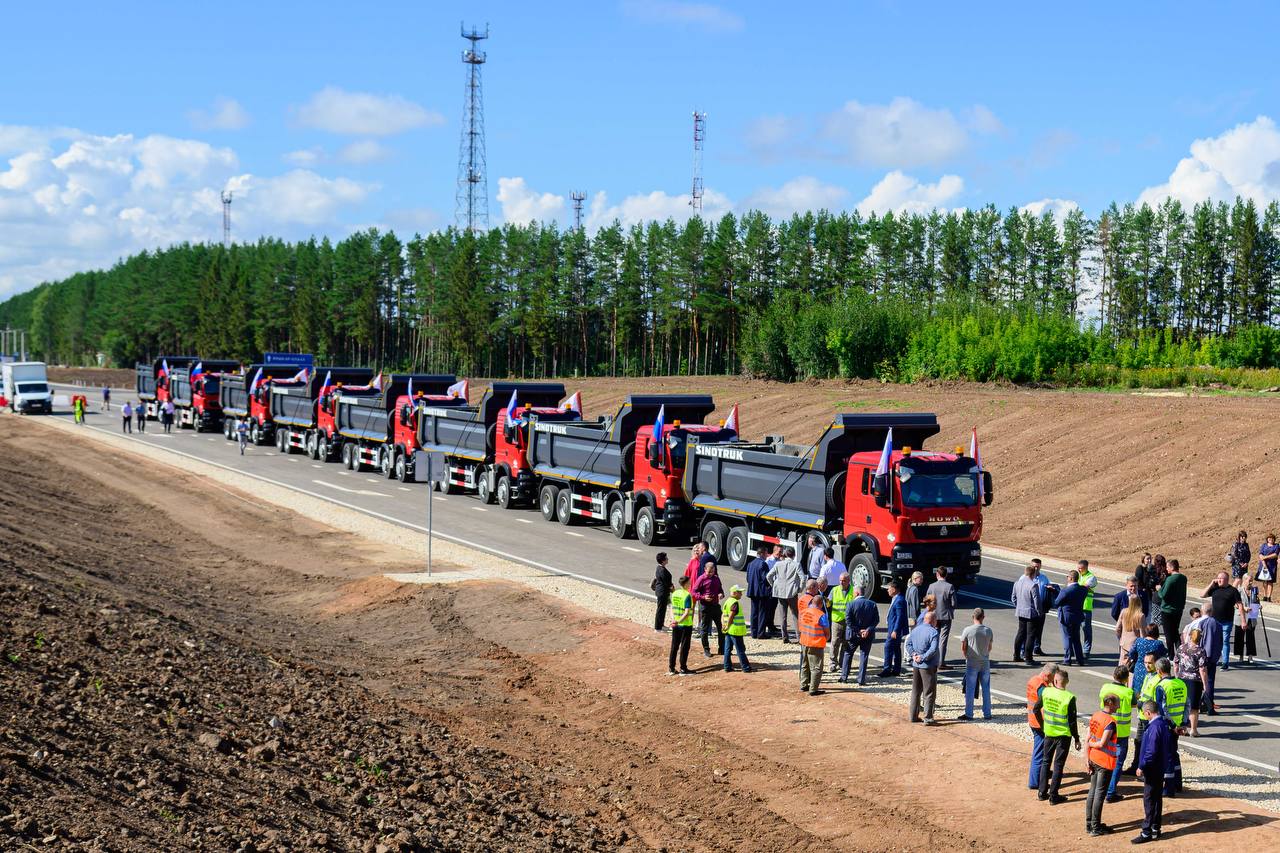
x=195, y=393
x=298, y=419
x=626, y=470
x=241, y=402
x=468, y=438
x=378, y=427
x=925, y=512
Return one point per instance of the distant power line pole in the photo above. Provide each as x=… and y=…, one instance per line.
x=578, y=199
x=473, y=185
x=699, y=136
x=226, y=219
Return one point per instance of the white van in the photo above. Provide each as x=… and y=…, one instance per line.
x=25, y=384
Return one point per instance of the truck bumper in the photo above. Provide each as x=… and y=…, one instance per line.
x=962, y=559
x=34, y=407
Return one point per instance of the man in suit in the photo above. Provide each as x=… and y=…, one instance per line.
x=860, y=621
x=1153, y=760
x=760, y=593
x=1071, y=618
x=895, y=631
x=944, y=593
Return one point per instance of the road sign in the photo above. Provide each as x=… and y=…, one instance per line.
x=429, y=467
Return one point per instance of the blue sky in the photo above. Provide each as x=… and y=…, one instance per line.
x=118, y=131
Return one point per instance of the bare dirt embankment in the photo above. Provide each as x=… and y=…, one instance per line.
x=1104, y=476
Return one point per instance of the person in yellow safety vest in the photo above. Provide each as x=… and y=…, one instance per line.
x=1171, y=699
x=681, y=627
x=1102, y=762
x=1123, y=693
x=1089, y=581
x=1035, y=687
x=1056, y=713
x=734, y=627
x=838, y=600
x=815, y=631
x=1146, y=692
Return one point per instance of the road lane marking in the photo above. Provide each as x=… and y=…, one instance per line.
x=314, y=465
x=629, y=548
x=571, y=533
x=351, y=491
x=479, y=509
x=405, y=489
x=524, y=520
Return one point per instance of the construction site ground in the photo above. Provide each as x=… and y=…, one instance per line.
x=1100, y=475
x=187, y=665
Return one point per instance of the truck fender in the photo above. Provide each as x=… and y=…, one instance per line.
x=862, y=543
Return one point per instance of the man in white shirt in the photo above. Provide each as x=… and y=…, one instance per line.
x=832, y=568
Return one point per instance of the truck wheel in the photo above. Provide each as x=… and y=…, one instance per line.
x=388, y=463
x=226, y=430
x=564, y=508
x=714, y=533
x=646, y=526
x=322, y=449
x=346, y=456
x=864, y=573
x=255, y=434
x=446, y=485
x=482, y=487
x=504, y=493
x=402, y=468
x=628, y=460
x=739, y=547
x=491, y=438
x=618, y=519
x=547, y=502
x=311, y=445
x=282, y=441
x=835, y=494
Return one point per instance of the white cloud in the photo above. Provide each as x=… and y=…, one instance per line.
x=364, y=114
x=225, y=114
x=797, y=195
x=706, y=16
x=75, y=201
x=901, y=193
x=363, y=151
x=522, y=205
x=305, y=156
x=1244, y=161
x=656, y=205
x=900, y=134
x=1058, y=207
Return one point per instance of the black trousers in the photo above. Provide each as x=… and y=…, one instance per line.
x=1152, y=803
x=1055, y=753
x=1024, y=643
x=1098, y=781
x=1169, y=624
x=681, y=637
x=1246, y=642
x=660, y=617
x=711, y=619
x=1038, y=622
x=761, y=615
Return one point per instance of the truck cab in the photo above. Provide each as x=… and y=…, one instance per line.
x=515, y=483
x=659, y=469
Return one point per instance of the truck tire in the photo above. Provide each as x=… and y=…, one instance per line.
x=864, y=572
x=739, y=547
x=714, y=533
x=311, y=445
x=322, y=449
x=835, y=494
x=349, y=456
x=491, y=438
x=547, y=499
x=226, y=429
x=628, y=460
x=389, y=463
x=618, y=519
x=402, y=468
x=564, y=508
x=282, y=441
x=255, y=434
x=504, y=492
x=646, y=526
x=483, y=491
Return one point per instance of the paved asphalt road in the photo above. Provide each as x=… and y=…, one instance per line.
x=1246, y=732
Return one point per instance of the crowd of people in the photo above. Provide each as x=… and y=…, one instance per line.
x=137, y=411
x=1163, y=683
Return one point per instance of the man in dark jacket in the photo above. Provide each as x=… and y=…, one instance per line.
x=1132, y=589
x=944, y=594
x=1153, y=758
x=1173, y=599
x=1071, y=618
x=760, y=593
x=661, y=587
x=895, y=631
x=860, y=620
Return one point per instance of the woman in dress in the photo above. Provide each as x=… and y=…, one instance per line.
x=1144, y=645
x=1191, y=665
x=1239, y=558
x=1130, y=627
x=1267, y=556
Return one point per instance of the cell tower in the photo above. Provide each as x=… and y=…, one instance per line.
x=226, y=219
x=473, y=185
x=578, y=199
x=699, y=136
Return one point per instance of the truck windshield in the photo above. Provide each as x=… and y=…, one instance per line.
x=676, y=445
x=926, y=490
x=32, y=388
x=210, y=386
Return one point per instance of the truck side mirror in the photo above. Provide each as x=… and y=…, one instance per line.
x=655, y=453
x=988, y=493
x=880, y=489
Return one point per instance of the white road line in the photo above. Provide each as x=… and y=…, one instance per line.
x=314, y=465
x=405, y=489
x=479, y=509
x=290, y=459
x=209, y=439
x=571, y=533
x=629, y=548
x=351, y=491
x=524, y=521
x=345, y=473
